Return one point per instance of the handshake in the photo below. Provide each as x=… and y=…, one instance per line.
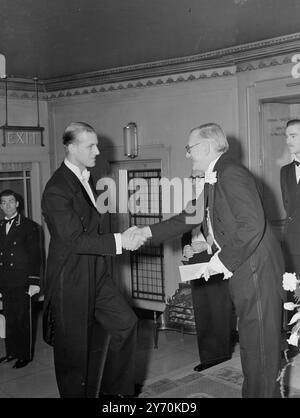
x=133, y=238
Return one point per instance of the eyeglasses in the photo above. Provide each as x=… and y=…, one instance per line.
x=189, y=147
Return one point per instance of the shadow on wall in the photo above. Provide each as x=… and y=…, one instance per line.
x=102, y=167
x=236, y=152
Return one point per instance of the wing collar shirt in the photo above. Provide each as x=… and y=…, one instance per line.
x=83, y=177
x=9, y=222
x=215, y=263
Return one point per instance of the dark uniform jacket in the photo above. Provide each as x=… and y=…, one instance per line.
x=291, y=202
x=20, y=254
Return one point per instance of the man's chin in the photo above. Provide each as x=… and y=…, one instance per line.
x=197, y=169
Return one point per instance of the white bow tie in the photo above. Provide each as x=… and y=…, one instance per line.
x=85, y=175
x=9, y=221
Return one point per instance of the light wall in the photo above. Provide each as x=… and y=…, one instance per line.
x=165, y=114
x=22, y=111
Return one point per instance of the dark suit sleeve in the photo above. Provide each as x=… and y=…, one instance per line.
x=247, y=224
x=179, y=224
x=33, y=249
x=65, y=226
x=186, y=239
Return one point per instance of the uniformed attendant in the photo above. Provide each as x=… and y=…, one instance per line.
x=20, y=262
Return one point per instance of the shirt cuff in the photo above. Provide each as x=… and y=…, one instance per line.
x=148, y=231
x=198, y=237
x=118, y=240
x=216, y=264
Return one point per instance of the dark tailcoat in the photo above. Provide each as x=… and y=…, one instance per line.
x=76, y=272
x=291, y=202
x=252, y=253
x=20, y=263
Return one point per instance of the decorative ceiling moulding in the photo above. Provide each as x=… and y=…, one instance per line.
x=265, y=63
x=217, y=63
x=148, y=82
x=213, y=59
x=22, y=88
x=21, y=84
x=21, y=94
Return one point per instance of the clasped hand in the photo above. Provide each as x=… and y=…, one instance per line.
x=133, y=238
x=195, y=248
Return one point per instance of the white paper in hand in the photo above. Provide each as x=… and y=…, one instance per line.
x=192, y=271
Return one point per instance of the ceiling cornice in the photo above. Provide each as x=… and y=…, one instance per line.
x=145, y=82
x=232, y=56
x=213, y=59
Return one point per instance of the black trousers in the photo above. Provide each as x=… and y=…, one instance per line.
x=292, y=261
x=18, y=317
x=214, y=317
x=109, y=369
x=118, y=319
x=258, y=306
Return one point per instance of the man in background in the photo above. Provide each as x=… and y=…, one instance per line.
x=290, y=188
x=20, y=264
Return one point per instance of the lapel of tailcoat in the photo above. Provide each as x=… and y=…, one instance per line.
x=293, y=187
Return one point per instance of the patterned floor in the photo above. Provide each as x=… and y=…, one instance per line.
x=164, y=372
x=222, y=381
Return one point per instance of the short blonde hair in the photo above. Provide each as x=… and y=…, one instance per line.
x=73, y=129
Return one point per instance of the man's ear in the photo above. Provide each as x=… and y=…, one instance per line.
x=204, y=148
x=17, y=204
x=70, y=147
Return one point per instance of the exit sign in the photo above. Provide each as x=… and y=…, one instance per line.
x=22, y=136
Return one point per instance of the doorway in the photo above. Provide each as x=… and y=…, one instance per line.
x=274, y=114
x=23, y=178
x=140, y=274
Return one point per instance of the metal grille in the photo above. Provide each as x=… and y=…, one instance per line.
x=147, y=274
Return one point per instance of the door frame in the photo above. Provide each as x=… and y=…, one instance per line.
x=258, y=93
x=156, y=152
